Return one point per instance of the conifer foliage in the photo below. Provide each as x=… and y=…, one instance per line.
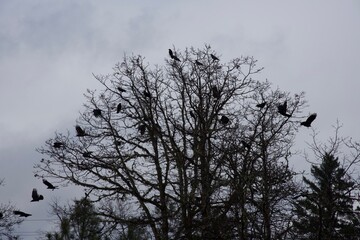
x=325, y=211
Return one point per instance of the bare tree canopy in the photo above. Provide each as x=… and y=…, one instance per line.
x=195, y=149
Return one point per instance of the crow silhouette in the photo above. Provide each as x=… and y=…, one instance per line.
x=49, y=185
x=245, y=144
x=261, y=105
x=197, y=62
x=35, y=196
x=118, y=108
x=79, y=131
x=192, y=114
x=282, y=108
x=58, y=144
x=21, y=214
x=147, y=94
x=97, y=112
x=142, y=129
x=1, y=215
x=171, y=54
x=214, y=57
x=309, y=120
x=121, y=89
x=215, y=92
x=177, y=59
x=224, y=120
x=87, y=154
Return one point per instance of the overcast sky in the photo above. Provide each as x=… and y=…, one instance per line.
x=49, y=50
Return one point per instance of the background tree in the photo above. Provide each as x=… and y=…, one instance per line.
x=77, y=221
x=197, y=149
x=7, y=219
x=326, y=209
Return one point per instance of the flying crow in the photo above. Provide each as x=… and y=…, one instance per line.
x=282, y=108
x=21, y=214
x=35, y=196
x=309, y=120
x=49, y=185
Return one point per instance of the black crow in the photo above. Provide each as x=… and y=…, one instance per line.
x=147, y=94
x=49, y=185
x=142, y=129
x=224, y=120
x=192, y=114
x=245, y=144
x=171, y=54
x=215, y=92
x=87, y=154
x=97, y=112
x=21, y=214
x=309, y=120
x=58, y=144
x=121, y=89
x=282, y=108
x=261, y=105
x=214, y=57
x=177, y=59
x=79, y=131
x=1, y=215
x=118, y=108
x=35, y=196
x=197, y=62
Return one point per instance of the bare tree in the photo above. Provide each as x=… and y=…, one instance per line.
x=197, y=149
x=7, y=219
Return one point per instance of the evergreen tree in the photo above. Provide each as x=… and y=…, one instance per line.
x=325, y=211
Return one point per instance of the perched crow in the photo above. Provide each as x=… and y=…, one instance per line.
x=118, y=108
x=309, y=120
x=87, y=154
x=21, y=214
x=147, y=94
x=245, y=144
x=142, y=129
x=197, y=62
x=282, y=109
x=214, y=57
x=97, y=112
x=215, y=92
x=121, y=89
x=79, y=131
x=171, y=54
x=261, y=105
x=192, y=114
x=1, y=215
x=58, y=144
x=177, y=59
x=224, y=120
x=35, y=196
x=49, y=185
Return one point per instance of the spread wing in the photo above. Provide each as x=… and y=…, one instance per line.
x=34, y=194
x=311, y=118
x=48, y=184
